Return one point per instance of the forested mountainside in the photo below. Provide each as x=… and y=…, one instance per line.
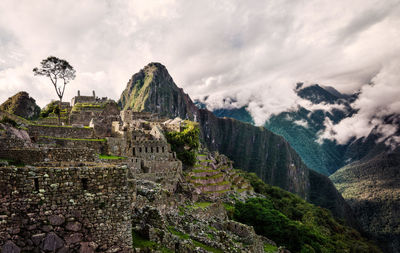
x=362, y=169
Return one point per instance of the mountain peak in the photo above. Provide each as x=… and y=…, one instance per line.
x=152, y=89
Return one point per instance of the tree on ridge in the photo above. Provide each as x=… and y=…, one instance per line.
x=58, y=70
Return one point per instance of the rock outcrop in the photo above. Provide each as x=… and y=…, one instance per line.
x=22, y=105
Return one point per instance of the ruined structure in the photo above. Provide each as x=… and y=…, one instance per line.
x=66, y=197
x=87, y=99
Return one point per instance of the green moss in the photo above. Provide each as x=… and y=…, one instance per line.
x=111, y=157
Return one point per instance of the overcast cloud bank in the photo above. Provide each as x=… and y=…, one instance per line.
x=251, y=51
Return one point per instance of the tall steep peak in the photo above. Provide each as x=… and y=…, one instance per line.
x=152, y=89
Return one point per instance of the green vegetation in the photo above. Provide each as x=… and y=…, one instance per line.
x=202, y=170
x=72, y=139
x=290, y=221
x=52, y=107
x=208, y=177
x=86, y=127
x=181, y=235
x=268, y=248
x=202, y=205
x=111, y=157
x=9, y=121
x=142, y=243
x=12, y=162
x=83, y=106
x=185, y=143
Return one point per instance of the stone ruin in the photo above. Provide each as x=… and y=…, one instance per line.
x=87, y=99
x=66, y=197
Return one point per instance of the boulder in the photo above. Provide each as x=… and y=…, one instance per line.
x=56, y=220
x=52, y=242
x=37, y=239
x=10, y=247
x=74, y=226
x=74, y=238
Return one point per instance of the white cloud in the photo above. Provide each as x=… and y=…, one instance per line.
x=376, y=101
x=301, y=122
x=252, y=51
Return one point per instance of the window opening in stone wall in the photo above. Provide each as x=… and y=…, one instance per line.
x=36, y=183
x=163, y=150
x=134, y=151
x=146, y=149
x=140, y=150
x=157, y=150
x=152, y=150
x=84, y=183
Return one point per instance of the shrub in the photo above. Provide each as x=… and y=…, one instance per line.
x=7, y=120
x=185, y=143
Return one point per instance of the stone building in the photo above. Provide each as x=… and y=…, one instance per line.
x=87, y=99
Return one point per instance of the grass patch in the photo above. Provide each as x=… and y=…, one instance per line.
x=111, y=157
x=86, y=127
x=181, y=235
x=268, y=248
x=221, y=191
x=202, y=170
x=206, y=247
x=139, y=242
x=208, y=177
x=202, y=205
x=196, y=243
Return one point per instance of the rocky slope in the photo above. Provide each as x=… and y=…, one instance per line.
x=251, y=148
x=21, y=105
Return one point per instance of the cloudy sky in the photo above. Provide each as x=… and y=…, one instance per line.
x=253, y=51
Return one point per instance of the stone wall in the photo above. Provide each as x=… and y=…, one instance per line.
x=152, y=149
x=60, y=131
x=37, y=155
x=79, y=209
x=129, y=116
x=98, y=146
x=153, y=166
